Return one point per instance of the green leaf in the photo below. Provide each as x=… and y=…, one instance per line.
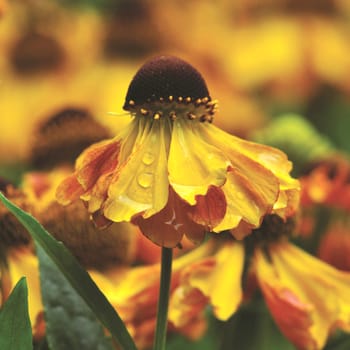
x=339, y=341
x=70, y=323
x=209, y=341
x=252, y=327
x=15, y=328
x=77, y=277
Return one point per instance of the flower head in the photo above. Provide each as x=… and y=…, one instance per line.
x=171, y=171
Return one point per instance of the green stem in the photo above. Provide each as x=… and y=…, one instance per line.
x=163, y=301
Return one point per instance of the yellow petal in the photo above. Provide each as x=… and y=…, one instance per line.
x=217, y=278
x=193, y=164
x=245, y=201
x=315, y=295
x=141, y=183
x=22, y=262
x=266, y=168
x=222, y=283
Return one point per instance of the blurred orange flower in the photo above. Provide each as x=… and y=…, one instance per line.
x=327, y=183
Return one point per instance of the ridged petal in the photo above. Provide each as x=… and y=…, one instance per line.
x=141, y=182
x=95, y=161
x=210, y=208
x=218, y=278
x=306, y=297
x=193, y=164
x=246, y=199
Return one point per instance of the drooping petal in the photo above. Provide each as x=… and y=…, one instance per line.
x=141, y=182
x=266, y=168
x=306, y=297
x=193, y=164
x=95, y=161
x=244, y=201
x=69, y=190
x=210, y=208
x=217, y=278
x=167, y=227
x=186, y=302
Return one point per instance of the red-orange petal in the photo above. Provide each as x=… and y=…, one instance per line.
x=210, y=208
x=69, y=190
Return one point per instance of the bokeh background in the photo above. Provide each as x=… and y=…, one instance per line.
x=261, y=59
x=264, y=60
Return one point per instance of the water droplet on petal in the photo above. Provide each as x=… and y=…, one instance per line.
x=148, y=158
x=145, y=180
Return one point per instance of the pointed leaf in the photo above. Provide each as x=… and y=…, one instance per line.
x=77, y=277
x=70, y=323
x=15, y=328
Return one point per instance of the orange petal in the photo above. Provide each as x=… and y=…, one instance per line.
x=210, y=208
x=96, y=160
x=167, y=227
x=69, y=190
x=315, y=295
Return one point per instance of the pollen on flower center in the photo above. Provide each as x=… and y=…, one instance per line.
x=167, y=86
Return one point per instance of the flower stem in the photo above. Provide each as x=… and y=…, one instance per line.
x=163, y=301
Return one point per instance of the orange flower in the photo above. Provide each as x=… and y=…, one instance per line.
x=334, y=246
x=171, y=171
x=328, y=183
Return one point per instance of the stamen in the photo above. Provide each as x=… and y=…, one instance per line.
x=211, y=103
x=198, y=102
x=191, y=116
x=144, y=111
x=172, y=115
x=156, y=116
x=171, y=98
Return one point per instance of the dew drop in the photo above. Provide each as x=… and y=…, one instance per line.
x=148, y=158
x=145, y=180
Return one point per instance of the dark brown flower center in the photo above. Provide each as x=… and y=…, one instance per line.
x=169, y=86
x=63, y=136
x=35, y=53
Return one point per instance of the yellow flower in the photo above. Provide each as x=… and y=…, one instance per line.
x=307, y=298
x=134, y=293
x=171, y=171
x=214, y=279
